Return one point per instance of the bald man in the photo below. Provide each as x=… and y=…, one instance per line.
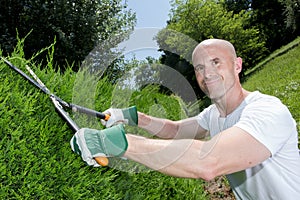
x=253, y=137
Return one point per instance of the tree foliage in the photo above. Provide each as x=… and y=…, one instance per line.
x=211, y=20
x=292, y=14
x=77, y=25
x=237, y=5
x=277, y=20
x=269, y=18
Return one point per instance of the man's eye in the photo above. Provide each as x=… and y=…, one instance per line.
x=199, y=68
x=215, y=63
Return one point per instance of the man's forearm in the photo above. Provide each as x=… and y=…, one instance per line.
x=162, y=128
x=171, y=157
x=167, y=129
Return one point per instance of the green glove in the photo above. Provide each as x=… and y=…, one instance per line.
x=91, y=143
x=126, y=115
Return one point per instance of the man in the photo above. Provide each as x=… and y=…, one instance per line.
x=254, y=141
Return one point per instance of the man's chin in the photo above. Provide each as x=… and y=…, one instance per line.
x=215, y=96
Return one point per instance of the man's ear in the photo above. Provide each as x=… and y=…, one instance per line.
x=238, y=64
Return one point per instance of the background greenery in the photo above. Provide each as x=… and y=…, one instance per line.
x=76, y=25
x=256, y=28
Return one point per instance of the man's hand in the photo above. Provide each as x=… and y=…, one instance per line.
x=91, y=143
x=125, y=116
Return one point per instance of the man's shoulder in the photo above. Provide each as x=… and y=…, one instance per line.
x=258, y=97
x=258, y=104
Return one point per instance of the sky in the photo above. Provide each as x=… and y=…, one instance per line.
x=150, y=13
x=152, y=16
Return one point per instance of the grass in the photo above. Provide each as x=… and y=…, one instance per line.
x=36, y=159
x=274, y=55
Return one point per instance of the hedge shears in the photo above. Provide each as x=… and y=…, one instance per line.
x=61, y=105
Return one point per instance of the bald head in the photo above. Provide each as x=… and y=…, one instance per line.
x=217, y=44
x=217, y=68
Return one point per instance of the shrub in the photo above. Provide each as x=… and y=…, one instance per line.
x=36, y=158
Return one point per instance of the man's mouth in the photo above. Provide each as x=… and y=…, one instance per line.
x=211, y=81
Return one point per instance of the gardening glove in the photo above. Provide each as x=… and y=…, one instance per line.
x=126, y=116
x=91, y=143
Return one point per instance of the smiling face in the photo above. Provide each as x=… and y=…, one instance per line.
x=216, y=67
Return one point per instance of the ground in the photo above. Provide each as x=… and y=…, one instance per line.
x=219, y=189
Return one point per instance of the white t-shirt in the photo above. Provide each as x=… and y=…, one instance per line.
x=270, y=122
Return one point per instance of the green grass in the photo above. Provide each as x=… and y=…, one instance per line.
x=36, y=158
x=274, y=55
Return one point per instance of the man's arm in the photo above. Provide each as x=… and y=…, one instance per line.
x=230, y=151
x=163, y=128
x=168, y=129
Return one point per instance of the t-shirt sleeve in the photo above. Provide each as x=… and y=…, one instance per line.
x=204, y=117
x=269, y=122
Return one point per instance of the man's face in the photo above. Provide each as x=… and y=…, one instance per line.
x=215, y=70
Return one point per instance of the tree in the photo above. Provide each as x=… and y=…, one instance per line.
x=292, y=13
x=277, y=20
x=77, y=25
x=201, y=20
x=269, y=18
x=237, y=5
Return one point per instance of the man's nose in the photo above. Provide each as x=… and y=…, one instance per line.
x=209, y=71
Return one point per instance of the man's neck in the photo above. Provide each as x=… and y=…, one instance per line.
x=230, y=101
